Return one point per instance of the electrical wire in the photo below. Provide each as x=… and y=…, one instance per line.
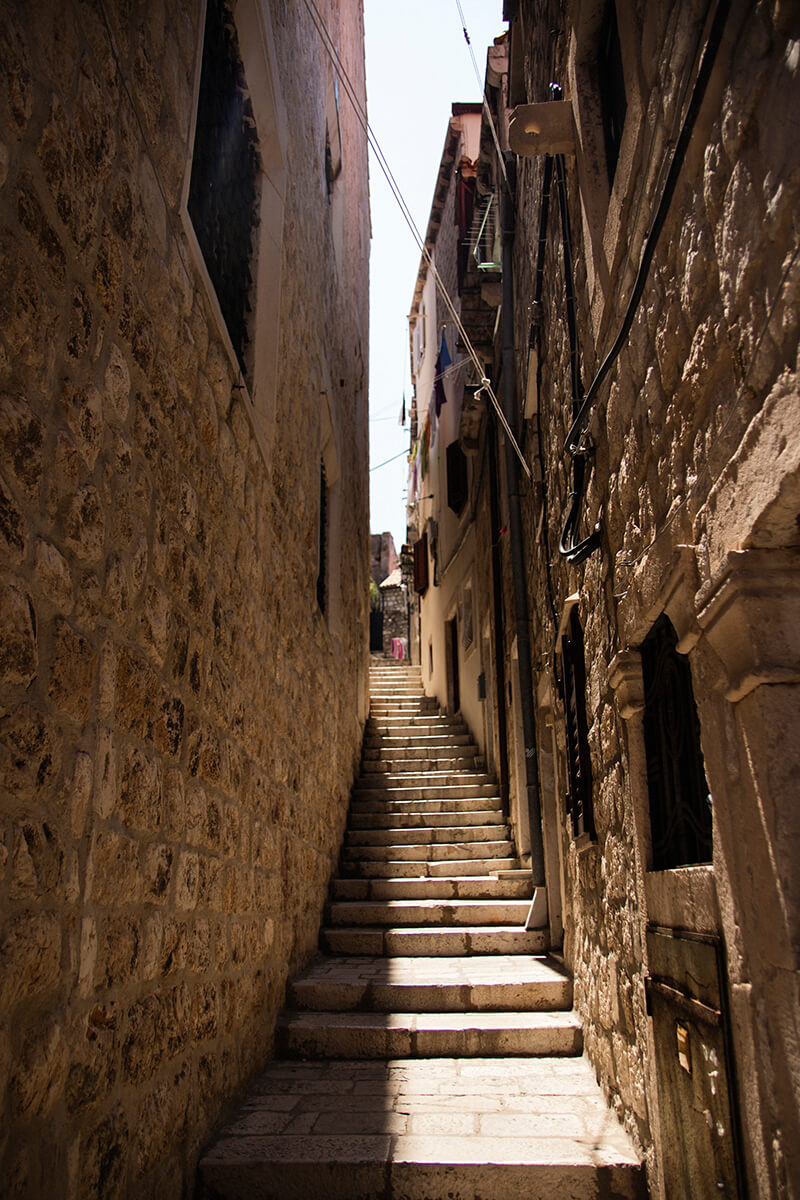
x=705, y=470
x=361, y=115
x=394, y=458
x=486, y=107
x=657, y=223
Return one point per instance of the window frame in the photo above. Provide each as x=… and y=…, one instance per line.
x=257, y=49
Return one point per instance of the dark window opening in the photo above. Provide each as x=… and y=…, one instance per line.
x=223, y=191
x=579, y=769
x=680, y=805
x=333, y=136
x=322, y=583
x=457, y=486
x=421, y=565
x=611, y=80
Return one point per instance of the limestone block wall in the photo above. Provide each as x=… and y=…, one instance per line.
x=694, y=462
x=179, y=723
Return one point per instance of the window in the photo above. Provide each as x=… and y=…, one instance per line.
x=680, y=805
x=421, y=565
x=223, y=197
x=579, y=770
x=333, y=135
x=419, y=338
x=457, y=487
x=322, y=557
x=611, y=82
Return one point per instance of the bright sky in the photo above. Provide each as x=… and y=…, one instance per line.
x=418, y=63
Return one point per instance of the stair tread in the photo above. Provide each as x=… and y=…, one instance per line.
x=497, y=1120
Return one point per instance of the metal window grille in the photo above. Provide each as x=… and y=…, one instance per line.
x=457, y=483
x=223, y=190
x=322, y=581
x=421, y=565
x=680, y=805
x=611, y=80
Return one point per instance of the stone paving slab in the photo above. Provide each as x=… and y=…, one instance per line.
x=406, y=1130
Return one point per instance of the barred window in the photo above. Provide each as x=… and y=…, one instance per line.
x=611, y=80
x=457, y=483
x=223, y=191
x=579, y=770
x=322, y=571
x=680, y=805
x=421, y=565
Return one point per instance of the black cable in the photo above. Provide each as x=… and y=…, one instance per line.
x=657, y=224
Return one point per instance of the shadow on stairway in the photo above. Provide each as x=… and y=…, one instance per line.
x=430, y=1051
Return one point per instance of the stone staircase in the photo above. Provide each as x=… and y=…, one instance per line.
x=430, y=1051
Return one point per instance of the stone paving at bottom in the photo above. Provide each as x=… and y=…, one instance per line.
x=411, y=1119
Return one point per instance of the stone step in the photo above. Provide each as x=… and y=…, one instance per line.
x=419, y=759
x=440, y=791
x=447, y=851
x=503, y=1128
x=430, y=869
x=427, y=1035
x=457, y=807
x=475, y=887
x=381, y=819
x=418, y=741
x=457, y=763
x=496, y=983
x=424, y=835
x=432, y=941
x=417, y=778
x=427, y=912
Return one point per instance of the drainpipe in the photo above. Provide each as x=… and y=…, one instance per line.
x=499, y=620
x=537, y=918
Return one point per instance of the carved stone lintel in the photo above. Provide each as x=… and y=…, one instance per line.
x=751, y=616
x=625, y=676
x=666, y=580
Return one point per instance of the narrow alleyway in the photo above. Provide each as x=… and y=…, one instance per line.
x=430, y=1050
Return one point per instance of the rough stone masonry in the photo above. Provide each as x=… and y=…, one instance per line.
x=179, y=721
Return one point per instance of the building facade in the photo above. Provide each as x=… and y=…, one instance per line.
x=184, y=521
x=647, y=550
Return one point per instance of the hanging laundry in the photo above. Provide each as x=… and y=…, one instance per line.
x=443, y=361
x=402, y=420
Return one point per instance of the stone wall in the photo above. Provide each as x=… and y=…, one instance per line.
x=693, y=462
x=168, y=827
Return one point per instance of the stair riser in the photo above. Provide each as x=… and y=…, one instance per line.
x=388, y=781
x=399, y=766
x=424, y=943
x=388, y=998
x=429, y=820
x=388, y=807
x=425, y=836
x=481, y=888
x=399, y=869
x=441, y=792
x=431, y=852
x=453, y=912
x=436, y=1043
x=366, y=1170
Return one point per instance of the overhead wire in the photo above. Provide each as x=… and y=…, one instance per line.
x=487, y=110
x=485, y=383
